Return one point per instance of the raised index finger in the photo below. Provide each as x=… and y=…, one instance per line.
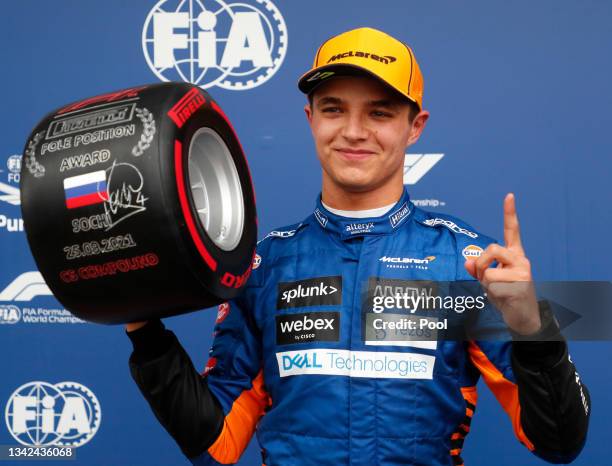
x=512, y=233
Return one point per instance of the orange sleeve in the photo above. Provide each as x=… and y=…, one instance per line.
x=504, y=390
x=240, y=423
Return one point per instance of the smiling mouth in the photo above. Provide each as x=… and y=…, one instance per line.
x=354, y=154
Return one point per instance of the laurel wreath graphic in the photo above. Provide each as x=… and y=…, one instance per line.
x=33, y=166
x=148, y=131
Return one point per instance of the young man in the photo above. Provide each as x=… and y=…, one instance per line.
x=310, y=355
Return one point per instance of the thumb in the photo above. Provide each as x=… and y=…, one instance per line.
x=470, y=266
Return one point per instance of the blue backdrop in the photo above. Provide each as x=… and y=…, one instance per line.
x=519, y=95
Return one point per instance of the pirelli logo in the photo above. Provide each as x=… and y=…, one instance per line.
x=186, y=107
x=91, y=120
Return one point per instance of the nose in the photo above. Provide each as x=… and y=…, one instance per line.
x=354, y=128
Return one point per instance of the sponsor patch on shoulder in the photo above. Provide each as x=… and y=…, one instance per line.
x=472, y=251
x=452, y=226
x=322, y=219
x=281, y=234
x=210, y=365
x=256, y=261
x=222, y=312
x=397, y=217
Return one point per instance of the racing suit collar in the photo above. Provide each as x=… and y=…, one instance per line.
x=347, y=228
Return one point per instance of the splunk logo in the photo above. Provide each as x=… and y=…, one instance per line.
x=311, y=292
x=235, y=46
x=377, y=365
x=44, y=414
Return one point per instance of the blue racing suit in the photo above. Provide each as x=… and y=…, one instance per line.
x=313, y=356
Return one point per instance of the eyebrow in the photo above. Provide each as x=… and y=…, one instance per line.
x=386, y=103
x=329, y=100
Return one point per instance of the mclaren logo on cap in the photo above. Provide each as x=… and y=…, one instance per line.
x=386, y=59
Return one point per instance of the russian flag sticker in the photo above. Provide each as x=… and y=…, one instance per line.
x=87, y=189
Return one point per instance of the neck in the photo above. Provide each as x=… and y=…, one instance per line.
x=342, y=199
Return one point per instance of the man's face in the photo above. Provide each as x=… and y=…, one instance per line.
x=361, y=130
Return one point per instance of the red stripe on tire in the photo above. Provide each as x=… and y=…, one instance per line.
x=193, y=231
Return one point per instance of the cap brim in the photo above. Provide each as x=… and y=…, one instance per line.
x=343, y=69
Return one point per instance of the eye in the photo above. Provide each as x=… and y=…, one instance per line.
x=331, y=109
x=381, y=114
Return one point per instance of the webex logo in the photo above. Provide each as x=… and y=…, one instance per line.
x=307, y=327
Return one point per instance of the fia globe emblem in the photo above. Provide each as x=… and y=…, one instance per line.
x=13, y=163
x=44, y=414
x=9, y=314
x=235, y=46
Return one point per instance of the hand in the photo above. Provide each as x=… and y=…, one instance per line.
x=509, y=285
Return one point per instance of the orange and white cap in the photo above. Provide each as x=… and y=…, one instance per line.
x=371, y=52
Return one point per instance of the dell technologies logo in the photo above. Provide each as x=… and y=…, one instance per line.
x=310, y=292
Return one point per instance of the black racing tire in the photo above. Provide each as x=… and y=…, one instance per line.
x=138, y=204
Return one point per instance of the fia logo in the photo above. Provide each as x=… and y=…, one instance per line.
x=9, y=314
x=235, y=46
x=43, y=414
x=13, y=163
x=417, y=165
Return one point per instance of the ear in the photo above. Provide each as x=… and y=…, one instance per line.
x=418, y=124
x=308, y=112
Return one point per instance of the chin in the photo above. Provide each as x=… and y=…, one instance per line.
x=356, y=186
